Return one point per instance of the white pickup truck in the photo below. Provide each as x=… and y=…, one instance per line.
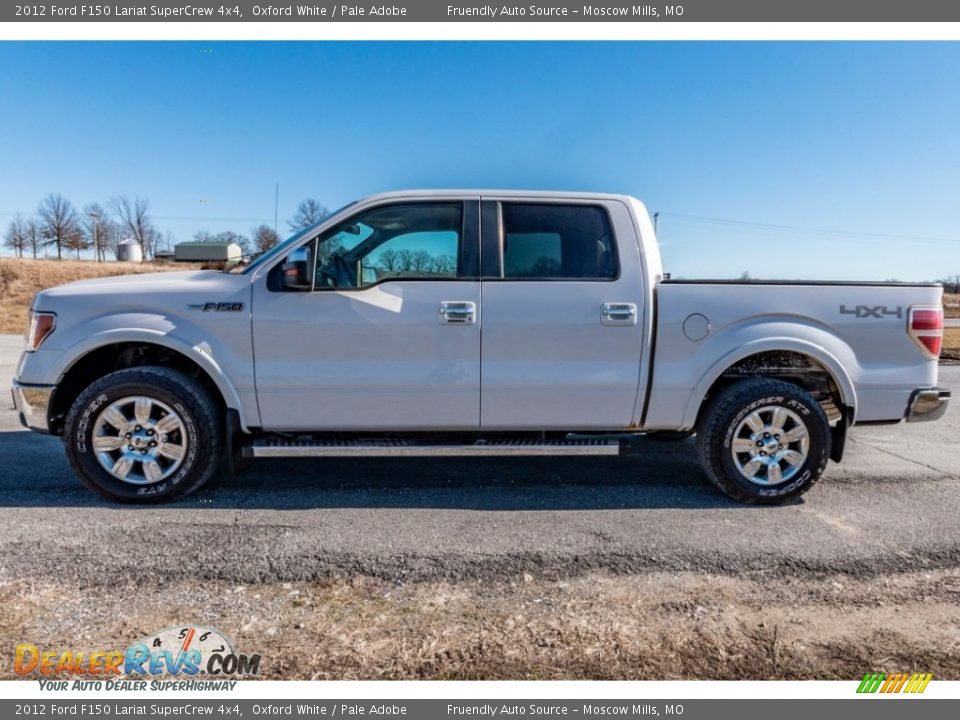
x=451, y=323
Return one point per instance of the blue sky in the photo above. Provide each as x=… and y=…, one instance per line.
x=790, y=138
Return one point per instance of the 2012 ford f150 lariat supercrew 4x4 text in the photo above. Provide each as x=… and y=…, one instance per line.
x=451, y=323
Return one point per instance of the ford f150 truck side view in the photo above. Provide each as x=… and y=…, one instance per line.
x=470, y=323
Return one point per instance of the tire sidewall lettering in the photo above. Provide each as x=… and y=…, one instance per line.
x=813, y=466
x=84, y=432
x=83, y=426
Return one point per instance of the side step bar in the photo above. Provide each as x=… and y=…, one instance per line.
x=373, y=447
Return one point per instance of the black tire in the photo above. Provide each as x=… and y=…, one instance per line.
x=202, y=433
x=729, y=411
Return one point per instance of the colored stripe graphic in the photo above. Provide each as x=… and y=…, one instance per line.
x=920, y=684
x=898, y=682
x=871, y=682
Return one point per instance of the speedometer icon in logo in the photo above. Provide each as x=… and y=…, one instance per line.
x=205, y=640
x=188, y=650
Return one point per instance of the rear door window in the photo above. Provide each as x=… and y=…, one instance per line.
x=557, y=242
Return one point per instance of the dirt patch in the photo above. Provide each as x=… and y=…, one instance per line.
x=599, y=626
x=21, y=279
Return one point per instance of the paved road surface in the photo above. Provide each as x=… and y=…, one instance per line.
x=892, y=505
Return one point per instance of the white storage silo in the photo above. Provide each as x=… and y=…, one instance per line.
x=129, y=250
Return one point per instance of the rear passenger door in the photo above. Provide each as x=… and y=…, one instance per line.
x=562, y=323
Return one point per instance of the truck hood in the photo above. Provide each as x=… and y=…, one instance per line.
x=194, y=306
x=159, y=282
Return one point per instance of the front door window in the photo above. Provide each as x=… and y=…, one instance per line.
x=411, y=241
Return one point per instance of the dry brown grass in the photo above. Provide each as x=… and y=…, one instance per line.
x=655, y=626
x=951, y=344
x=20, y=280
x=951, y=305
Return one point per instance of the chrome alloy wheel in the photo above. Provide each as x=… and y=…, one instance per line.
x=139, y=440
x=770, y=445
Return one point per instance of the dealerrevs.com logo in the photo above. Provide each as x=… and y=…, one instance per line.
x=182, y=651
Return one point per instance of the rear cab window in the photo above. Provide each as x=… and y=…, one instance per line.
x=547, y=241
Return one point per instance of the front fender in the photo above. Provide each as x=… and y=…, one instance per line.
x=218, y=358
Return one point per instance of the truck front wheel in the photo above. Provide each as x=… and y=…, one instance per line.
x=144, y=434
x=764, y=441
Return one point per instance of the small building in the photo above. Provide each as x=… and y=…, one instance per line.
x=196, y=250
x=129, y=250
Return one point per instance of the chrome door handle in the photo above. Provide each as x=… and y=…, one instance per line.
x=618, y=314
x=456, y=312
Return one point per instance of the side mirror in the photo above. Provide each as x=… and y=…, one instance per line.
x=295, y=272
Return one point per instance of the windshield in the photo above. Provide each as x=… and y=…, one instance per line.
x=283, y=248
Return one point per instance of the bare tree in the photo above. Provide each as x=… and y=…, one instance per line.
x=59, y=223
x=228, y=236
x=422, y=260
x=309, y=212
x=16, y=237
x=390, y=260
x=96, y=227
x=405, y=260
x=76, y=240
x=169, y=241
x=951, y=283
x=33, y=236
x=444, y=264
x=264, y=238
x=134, y=221
x=110, y=236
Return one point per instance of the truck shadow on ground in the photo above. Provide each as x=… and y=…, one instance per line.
x=34, y=473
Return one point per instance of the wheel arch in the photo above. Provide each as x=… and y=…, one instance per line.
x=802, y=363
x=100, y=359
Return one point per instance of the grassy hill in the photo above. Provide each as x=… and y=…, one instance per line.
x=20, y=280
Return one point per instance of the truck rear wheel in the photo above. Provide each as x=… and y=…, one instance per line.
x=144, y=434
x=764, y=441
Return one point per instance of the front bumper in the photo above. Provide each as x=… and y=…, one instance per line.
x=927, y=404
x=32, y=403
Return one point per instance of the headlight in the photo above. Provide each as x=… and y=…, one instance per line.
x=41, y=325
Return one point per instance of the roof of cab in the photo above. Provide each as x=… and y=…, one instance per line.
x=494, y=193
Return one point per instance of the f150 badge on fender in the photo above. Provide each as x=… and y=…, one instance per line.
x=217, y=306
x=877, y=311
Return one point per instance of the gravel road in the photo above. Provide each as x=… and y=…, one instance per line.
x=891, y=506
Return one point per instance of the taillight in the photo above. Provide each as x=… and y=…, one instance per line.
x=41, y=325
x=926, y=328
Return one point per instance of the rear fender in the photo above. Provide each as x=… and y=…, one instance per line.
x=816, y=351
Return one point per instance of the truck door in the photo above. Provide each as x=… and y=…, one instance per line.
x=562, y=315
x=387, y=334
